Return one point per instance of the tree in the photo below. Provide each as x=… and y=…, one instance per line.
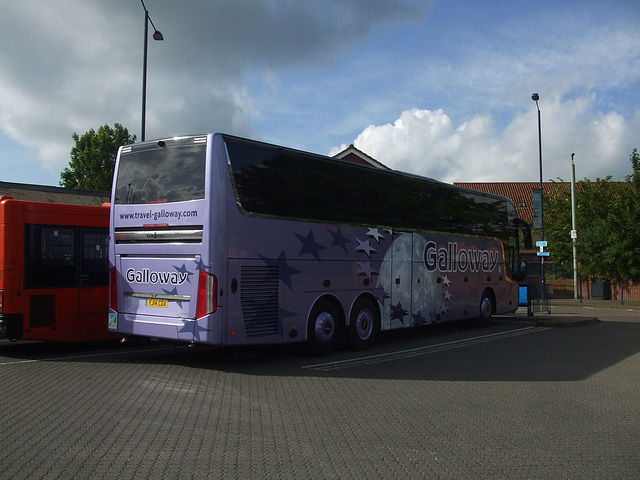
x=93, y=158
x=608, y=222
x=625, y=223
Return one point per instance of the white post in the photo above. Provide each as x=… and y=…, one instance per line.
x=574, y=228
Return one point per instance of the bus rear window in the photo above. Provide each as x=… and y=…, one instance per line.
x=149, y=173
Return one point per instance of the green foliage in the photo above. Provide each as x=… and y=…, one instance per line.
x=608, y=223
x=93, y=158
x=625, y=223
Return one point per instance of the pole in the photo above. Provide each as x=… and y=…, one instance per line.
x=144, y=73
x=543, y=283
x=574, y=228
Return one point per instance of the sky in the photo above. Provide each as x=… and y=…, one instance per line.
x=438, y=88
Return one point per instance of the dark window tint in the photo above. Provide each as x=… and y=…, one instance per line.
x=95, y=259
x=267, y=180
x=491, y=216
x=287, y=183
x=329, y=191
x=50, y=256
x=437, y=207
x=62, y=256
x=150, y=173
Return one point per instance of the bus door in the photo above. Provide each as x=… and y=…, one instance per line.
x=50, y=280
x=398, y=270
x=415, y=292
x=66, y=278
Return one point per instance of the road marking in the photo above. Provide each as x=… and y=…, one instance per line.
x=413, y=352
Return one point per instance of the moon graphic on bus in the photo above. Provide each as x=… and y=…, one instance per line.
x=398, y=274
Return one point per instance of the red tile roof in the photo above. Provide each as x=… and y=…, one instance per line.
x=519, y=192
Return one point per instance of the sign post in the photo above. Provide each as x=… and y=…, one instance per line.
x=542, y=253
x=541, y=245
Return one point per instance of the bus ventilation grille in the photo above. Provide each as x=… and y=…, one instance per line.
x=259, y=298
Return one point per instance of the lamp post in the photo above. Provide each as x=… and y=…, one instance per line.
x=535, y=97
x=156, y=36
x=574, y=228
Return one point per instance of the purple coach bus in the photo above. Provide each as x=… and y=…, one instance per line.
x=223, y=241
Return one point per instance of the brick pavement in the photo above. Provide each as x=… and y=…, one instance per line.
x=525, y=403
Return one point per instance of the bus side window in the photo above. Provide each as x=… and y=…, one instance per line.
x=50, y=257
x=95, y=259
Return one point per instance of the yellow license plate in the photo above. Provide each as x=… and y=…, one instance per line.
x=154, y=302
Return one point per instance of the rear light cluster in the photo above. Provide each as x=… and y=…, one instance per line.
x=207, y=294
x=113, y=290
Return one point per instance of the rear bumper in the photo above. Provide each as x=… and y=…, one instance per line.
x=205, y=330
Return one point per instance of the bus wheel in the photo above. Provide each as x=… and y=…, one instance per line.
x=323, y=328
x=486, y=309
x=364, y=325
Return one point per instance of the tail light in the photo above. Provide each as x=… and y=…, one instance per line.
x=113, y=290
x=207, y=294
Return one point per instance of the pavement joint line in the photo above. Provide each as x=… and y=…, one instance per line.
x=73, y=357
x=382, y=357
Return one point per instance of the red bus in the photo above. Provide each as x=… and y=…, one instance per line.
x=53, y=271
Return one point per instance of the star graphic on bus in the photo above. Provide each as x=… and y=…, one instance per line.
x=397, y=312
x=447, y=295
x=286, y=313
x=375, y=233
x=365, y=247
x=201, y=266
x=380, y=294
x=192, y=326
x=446, y=281
x=284, y=270
x=366, y=269
x=339, y=240
x=418, y=319
x=309, y=245
x=183, y=270
x=173, y=292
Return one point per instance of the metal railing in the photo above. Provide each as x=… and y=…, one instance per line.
x=588, y=291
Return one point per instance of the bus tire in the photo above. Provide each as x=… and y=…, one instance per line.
x=323, y=328
x=486, y=309
x=364, y=324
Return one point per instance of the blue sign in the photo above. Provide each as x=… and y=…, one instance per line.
x=542, y=243
x=543, y=254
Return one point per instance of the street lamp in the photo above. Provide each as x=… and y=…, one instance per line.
x=574, y=228
x=156, y=36
x=535, y=97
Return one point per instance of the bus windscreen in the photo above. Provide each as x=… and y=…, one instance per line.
x=158, y=174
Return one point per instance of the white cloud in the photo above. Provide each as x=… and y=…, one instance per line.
x=428, y=143
x=313, y=74
x=71, y=65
